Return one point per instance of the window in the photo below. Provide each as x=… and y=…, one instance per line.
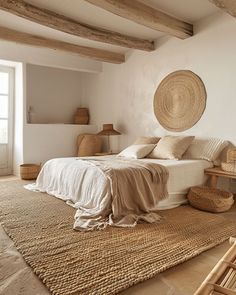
x=6, y=119
x=4, y=106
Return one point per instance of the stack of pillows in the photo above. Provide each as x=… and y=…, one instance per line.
x=175, y=148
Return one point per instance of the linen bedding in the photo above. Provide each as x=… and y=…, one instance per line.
x=183, y=174
x=105, y=190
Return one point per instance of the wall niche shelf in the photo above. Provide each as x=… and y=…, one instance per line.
x=46, y=141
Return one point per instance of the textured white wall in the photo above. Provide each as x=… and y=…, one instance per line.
x=53, y=94
x=46, y=141
x=123, y=94
x=43, y=56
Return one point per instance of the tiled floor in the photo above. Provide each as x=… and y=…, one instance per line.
x=185, y=278
x=8, y=177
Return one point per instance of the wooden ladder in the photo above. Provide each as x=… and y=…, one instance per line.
x=222, y=279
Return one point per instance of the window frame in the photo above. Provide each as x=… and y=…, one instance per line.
x=11, y=88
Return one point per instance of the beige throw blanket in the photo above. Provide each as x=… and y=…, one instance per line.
x=106, y=191
x=137, y=188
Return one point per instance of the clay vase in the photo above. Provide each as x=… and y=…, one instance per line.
x=81, y=116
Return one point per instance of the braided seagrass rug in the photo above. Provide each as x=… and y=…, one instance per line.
x=102, y=262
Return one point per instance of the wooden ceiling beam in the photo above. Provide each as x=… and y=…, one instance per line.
x=147, y=16
x=28, y=39
x=62, y=23
x=227, y=5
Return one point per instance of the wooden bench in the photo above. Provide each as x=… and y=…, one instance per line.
x=217, y=172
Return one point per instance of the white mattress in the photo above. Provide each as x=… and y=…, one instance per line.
x=182, y=175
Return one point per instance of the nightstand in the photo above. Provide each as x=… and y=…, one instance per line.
x=218, y=172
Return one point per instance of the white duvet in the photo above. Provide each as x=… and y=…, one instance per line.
x=105, y=191
x=63, y=177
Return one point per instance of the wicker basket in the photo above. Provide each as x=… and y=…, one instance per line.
x=210, y=199
x=229, y=167
x=89, y=145
x=82, y=116
x=29, y=171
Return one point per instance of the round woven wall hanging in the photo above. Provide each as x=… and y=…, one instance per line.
x=180, y=101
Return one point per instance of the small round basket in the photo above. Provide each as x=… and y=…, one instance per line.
x=210, y=199
x=29, y=171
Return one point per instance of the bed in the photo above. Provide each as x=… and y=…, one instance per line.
x=89, y=185
x=17, y=273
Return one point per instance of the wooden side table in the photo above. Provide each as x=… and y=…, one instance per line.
x=217, y=172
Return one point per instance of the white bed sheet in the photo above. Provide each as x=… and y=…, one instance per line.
x=182, y=175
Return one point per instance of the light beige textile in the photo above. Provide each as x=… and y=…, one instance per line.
x=137, y=151
x=183, y=174
x=105, y=191
x=147, y=140
x=137, y=187
x=171, y=147
x=205, y=148
x=101, y=262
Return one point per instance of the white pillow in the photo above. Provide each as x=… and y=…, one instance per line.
x=205, y=148
x=137, y=151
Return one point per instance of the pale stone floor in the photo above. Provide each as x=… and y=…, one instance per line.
x=183, y=279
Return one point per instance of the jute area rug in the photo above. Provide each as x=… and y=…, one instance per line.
x=107, y=261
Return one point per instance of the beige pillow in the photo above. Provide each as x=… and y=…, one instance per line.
x=137, y=151
x=171, y=147
x=147, y=140
x=205, y=148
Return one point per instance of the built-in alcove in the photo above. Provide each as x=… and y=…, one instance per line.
x=53, y=94
x=52, y=98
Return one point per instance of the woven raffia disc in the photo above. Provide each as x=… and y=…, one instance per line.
x=180, y=101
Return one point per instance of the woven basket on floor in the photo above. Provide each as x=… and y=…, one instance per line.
x=29, y=171
x=210, y=199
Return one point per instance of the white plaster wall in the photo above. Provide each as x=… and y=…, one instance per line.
x=53, y=94
x=48, y=57
x=123, y=94
x=43, y=142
